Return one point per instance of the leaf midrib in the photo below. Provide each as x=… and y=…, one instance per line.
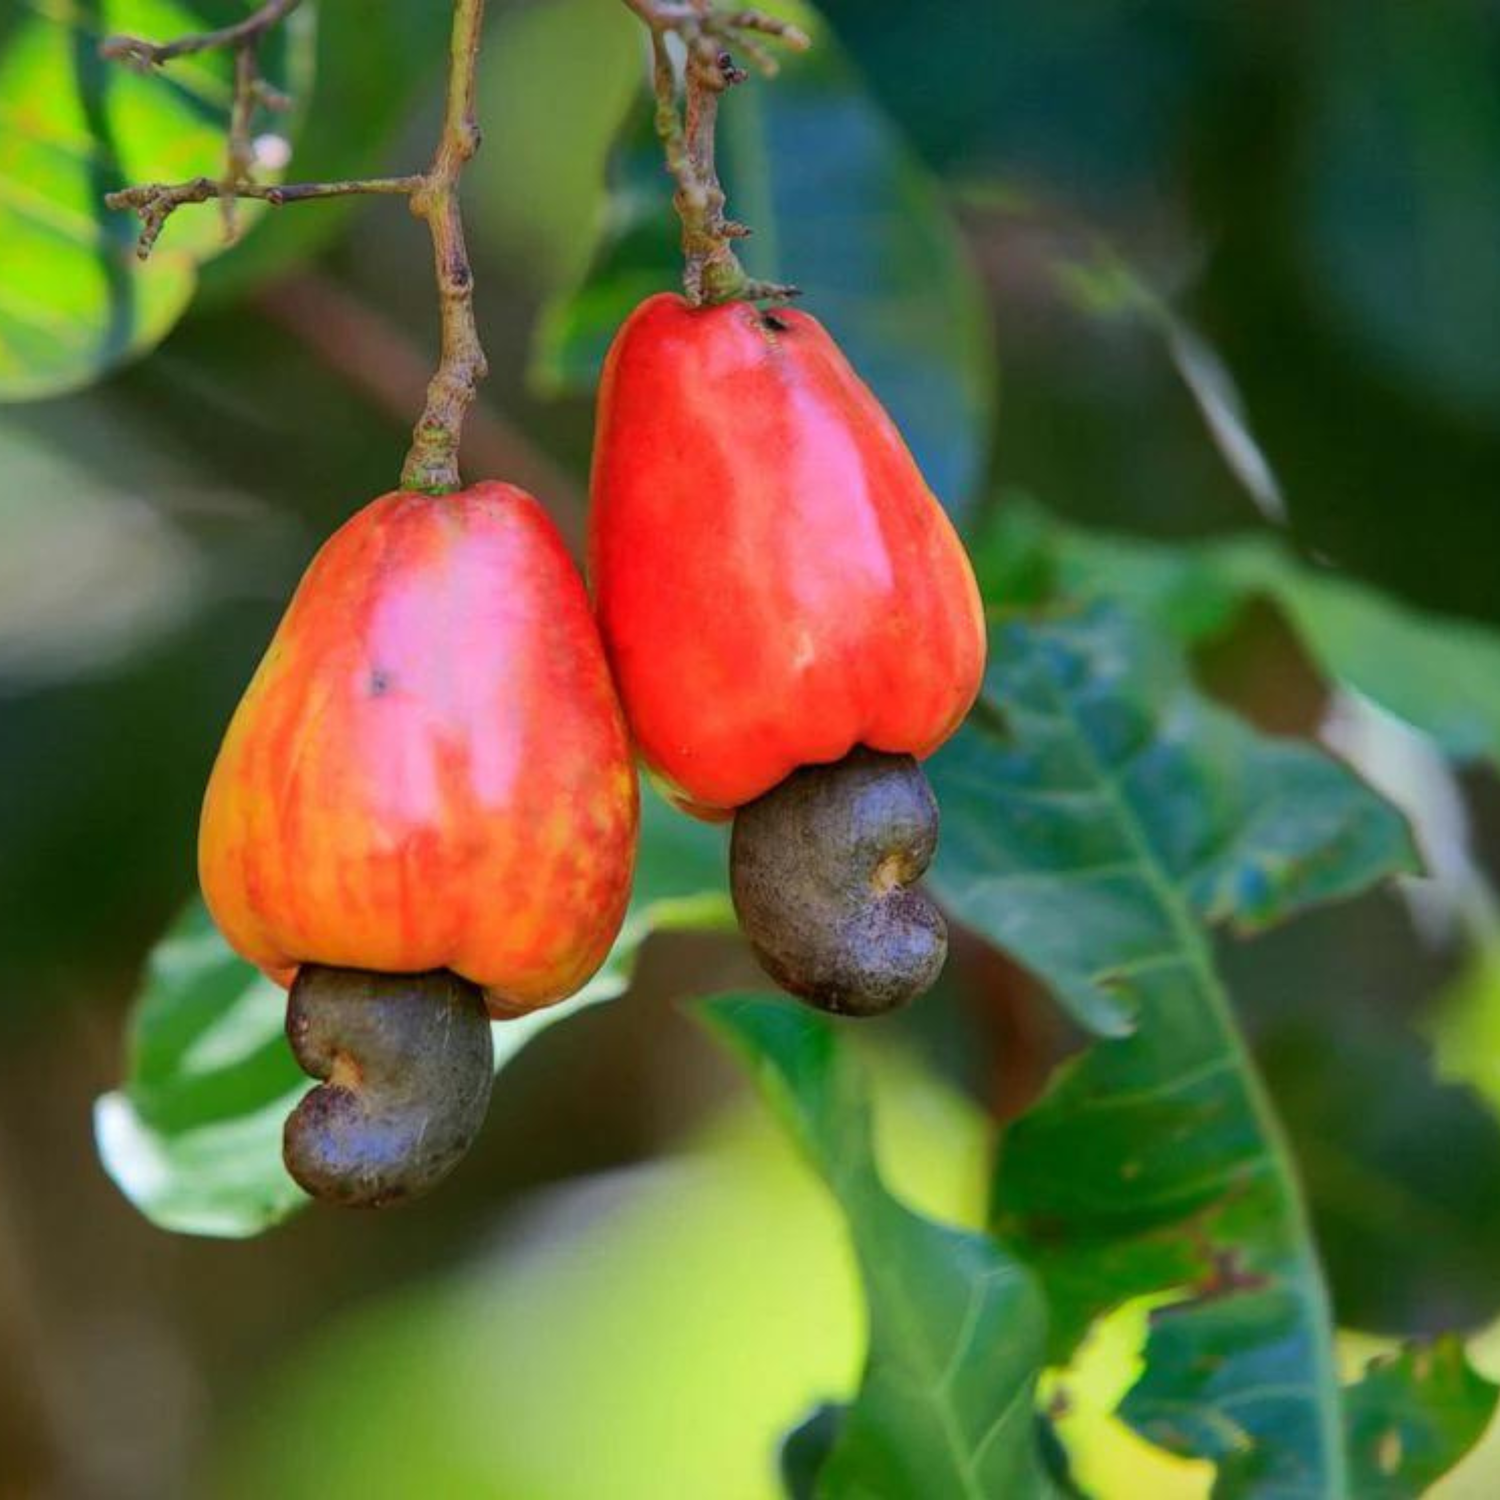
x=1183, y=924
x=937, y=1381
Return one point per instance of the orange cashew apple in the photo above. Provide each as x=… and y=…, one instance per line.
x=423, y=814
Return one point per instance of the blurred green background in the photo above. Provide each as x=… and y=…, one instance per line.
x=1173, y=268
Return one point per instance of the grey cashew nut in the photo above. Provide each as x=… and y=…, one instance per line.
x=407, y=1062
x=824, y=869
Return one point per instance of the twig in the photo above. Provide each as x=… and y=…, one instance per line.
x=251, y=91
x=712, y=271
x=156, y=202
x=241, y=162
x=152, y=54
x=432, y=462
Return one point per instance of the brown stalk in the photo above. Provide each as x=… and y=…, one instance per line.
x=712, y=271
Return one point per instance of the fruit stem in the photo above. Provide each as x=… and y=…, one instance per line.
x=712, y=272
x=432, y=462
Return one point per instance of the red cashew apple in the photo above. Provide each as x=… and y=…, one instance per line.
x=779, y=592
x=423, y=814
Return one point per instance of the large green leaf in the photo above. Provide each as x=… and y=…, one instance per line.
x=956, y=1325
x=1098, y=814
x=1441, y=674
x=1042, y=856
x=1406, y=1227
x=838, y=205
x=193, y=1138
x=75, y=300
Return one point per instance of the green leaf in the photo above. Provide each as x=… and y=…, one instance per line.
x=840, y=206
x=1050, y=855
x=1373, y=1176
x=1466, y=1024
x=1411, y=1418
x=807, y=1447
x=1441, y=674
x=1098, y=814
x=956, y=1326
x=75, y=301
x=193, y=1138
x=1399, y=1165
